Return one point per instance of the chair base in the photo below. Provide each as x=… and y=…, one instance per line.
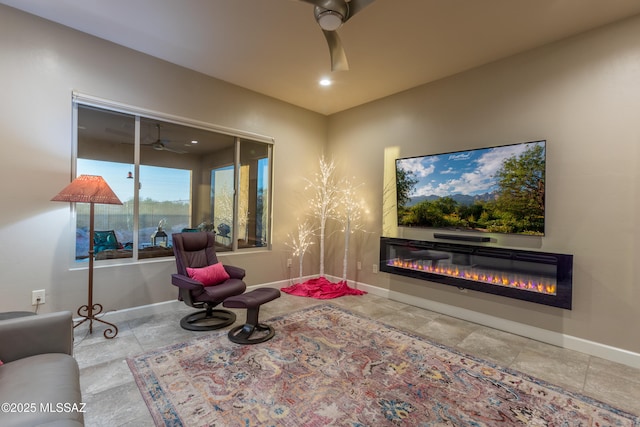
x=207, y=320
x=242, y=334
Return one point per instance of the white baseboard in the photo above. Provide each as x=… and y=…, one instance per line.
x=126, y=314
x=592, y=348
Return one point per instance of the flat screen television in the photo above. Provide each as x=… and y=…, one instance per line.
x=496, y=190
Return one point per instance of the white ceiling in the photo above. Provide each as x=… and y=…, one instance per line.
x=275, y=47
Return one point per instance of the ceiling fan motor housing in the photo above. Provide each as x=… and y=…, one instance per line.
x=331, y=17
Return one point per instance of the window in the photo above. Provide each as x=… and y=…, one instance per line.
x=171, y=177
x=253, y=200
x=222, y=184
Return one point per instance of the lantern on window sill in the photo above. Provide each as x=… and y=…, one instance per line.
x=159, y=238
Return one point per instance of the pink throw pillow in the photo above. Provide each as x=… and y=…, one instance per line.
x=209, y=276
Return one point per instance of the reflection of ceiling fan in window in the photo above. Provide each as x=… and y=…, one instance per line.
x=162, y=144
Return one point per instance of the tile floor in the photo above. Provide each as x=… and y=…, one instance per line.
x=113, y=398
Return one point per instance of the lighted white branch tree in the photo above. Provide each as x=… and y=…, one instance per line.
x=325, y=201
x=330, y=198
x=300, y=244
x=351, y=219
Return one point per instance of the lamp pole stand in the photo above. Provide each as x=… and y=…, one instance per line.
x=91, y=310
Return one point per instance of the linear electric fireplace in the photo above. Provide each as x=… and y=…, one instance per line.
x=540, y=277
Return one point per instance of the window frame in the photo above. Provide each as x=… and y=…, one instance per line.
x=80, y=99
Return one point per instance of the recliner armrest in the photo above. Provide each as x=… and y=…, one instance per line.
x=40, y=334
x=235, y=272
x=185, y=282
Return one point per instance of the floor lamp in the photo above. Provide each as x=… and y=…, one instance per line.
x=90, y=189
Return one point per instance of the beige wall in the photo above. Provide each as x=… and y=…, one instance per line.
x=583, y=96
x=41, y=64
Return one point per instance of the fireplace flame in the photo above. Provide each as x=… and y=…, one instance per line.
x=540, y=285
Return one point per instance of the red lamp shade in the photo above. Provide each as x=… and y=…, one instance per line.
x=88, y=189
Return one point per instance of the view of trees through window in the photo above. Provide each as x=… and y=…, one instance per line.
x=171, y=178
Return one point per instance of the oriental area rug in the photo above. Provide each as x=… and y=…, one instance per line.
x=329, y=367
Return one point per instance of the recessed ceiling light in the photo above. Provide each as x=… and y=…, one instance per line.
x=194, y=142
x=325, y=82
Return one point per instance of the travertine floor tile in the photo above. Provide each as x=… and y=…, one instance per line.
x=447, y=330
x=559, y=366
x=616, y=384
x=116, y=406
x=491, y=344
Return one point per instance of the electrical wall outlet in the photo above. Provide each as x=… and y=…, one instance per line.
x=375, y=268
x=359, y=265
x=289, y=262
x=37, y=297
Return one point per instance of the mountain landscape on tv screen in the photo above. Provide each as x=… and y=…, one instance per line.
x=497, y=189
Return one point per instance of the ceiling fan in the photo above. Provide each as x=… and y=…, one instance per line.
x=330, y=15
x=161, y=145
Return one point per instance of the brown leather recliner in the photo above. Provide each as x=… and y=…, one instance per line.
x=196, y=251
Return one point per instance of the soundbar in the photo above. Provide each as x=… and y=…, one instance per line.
x=463, y=238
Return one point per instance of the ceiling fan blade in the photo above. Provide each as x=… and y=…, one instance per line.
x=171, y=150
x=161, y=146
x=356, y=6
x=338, y=57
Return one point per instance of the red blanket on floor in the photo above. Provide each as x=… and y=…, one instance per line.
x=321, y=288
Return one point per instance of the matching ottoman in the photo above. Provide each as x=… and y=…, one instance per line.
x=251, y=301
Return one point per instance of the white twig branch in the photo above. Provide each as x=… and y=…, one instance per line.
x=350, y=218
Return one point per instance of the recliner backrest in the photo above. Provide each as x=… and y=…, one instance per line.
x=195, y=250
